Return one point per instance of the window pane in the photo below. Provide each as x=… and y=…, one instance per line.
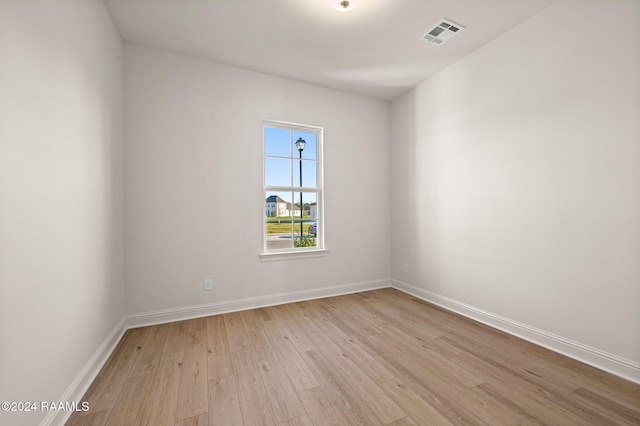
x=278, y=220
x=310, y=148
x=277, y=142
x=308, y=173
x=277, y=172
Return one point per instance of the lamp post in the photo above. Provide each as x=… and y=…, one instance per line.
x=300, y=144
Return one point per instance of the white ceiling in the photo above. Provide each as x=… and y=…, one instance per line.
x=374, y=50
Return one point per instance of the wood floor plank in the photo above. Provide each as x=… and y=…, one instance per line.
x=439, y=347
x=254, y=401
x=476, y=403
x=357, y=315
x=449, y=382
x=352, y=329
x=75, y=420
x=250, y=320
x=279, y=316
x=263, y=314
x=462, y=329
x=445, y=399
x=403, y=319
x=603, y=409
x=335, y=311
x=176, y=336
x=236, y=336
x=297, y=370
x=524, y=414
x=284, y=399
x=405, y=421
x=473, y=345
x=287, y=327
x=302, y=420
x=381, y=331
x=344, y=398
x=305, y=317
x=383, y=407
x=579, y=375
x=320, y=408
x=133, y=402
x=224, y=406
x=543, y=409
x=449, y=321
x=417, y=408
x=488, y=409
x=312, y=308
x=99, y=418
x=433, y=366
x=355, y=351
x=508, y=376
x=164, y=389
x=150, y=350
x=199, y=420
x=192, y=398
x=499, y=342
x=218, y=354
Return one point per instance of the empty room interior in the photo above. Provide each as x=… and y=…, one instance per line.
x=313, y=212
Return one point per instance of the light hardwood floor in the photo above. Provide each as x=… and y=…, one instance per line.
x=374, y=358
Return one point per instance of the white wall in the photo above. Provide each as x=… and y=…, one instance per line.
x=194, y=143
x=61, y=280
x=516, y=176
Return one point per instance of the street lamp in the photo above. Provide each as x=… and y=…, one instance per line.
x=300, y=144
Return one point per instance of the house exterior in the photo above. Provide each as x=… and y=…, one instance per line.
x=276, y=206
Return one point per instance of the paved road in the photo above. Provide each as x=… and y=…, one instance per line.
x=278, y=241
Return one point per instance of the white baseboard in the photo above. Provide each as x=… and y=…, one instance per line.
x=602, y=360
x=189, y=312
x=87, y=375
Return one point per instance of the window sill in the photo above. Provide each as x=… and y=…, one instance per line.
x=298, y=254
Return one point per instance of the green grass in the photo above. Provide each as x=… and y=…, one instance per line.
x=288, y=219
x=274, y=228
x=285, y=225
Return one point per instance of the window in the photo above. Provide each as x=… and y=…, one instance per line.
x=292, y=196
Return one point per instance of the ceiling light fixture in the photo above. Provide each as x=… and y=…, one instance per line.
x=343, y=5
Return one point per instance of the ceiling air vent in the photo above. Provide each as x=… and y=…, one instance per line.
x=442, y=32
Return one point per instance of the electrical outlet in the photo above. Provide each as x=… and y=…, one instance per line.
x=405, y=267
x=208, y=284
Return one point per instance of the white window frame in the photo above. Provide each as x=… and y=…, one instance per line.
x=293, y=252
